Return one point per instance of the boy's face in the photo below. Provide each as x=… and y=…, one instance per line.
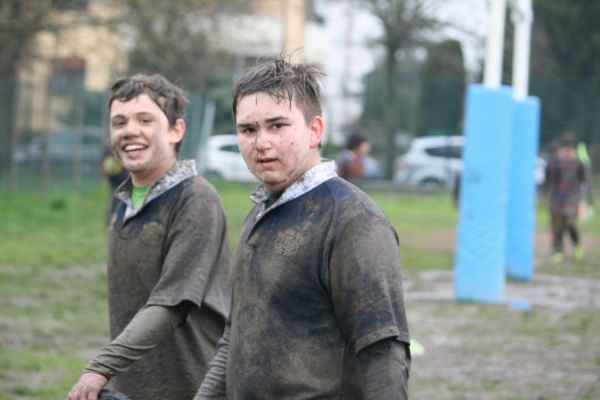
x=275, y=140
x=142, y=139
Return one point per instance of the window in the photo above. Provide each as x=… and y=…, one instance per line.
x=68, y=76
x=445, y=151
x=72, y=5
x=230, y=148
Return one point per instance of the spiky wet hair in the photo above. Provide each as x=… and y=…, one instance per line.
x=283, y=80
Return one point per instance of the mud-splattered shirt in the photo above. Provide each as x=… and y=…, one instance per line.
x=316, y=279
x=172, y=249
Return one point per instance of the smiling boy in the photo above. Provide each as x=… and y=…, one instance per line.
x=168, y=254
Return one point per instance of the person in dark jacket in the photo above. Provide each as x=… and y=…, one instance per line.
x=350, y=162
x=565, y=175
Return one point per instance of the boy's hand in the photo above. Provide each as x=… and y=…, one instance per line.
x=88, y=387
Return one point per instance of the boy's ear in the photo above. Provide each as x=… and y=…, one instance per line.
x=177, y=131
x=317, y=128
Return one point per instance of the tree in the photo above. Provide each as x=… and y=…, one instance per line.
x=406, y=86
x=174, y=39
x=20, y=23
x=405, y=24
x=565, y=67
x=572, y=35
x=177, y=40
x=442, y=90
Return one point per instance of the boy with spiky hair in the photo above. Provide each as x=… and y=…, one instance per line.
x=317, y=306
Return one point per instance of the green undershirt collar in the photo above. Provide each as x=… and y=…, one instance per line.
x=138, y=194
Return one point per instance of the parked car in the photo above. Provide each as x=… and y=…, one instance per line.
x=224, y=160
x=64, y=147
x=434, y=162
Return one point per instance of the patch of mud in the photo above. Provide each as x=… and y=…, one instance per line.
x=445, y=240
x=553, y=292
x=494, y=351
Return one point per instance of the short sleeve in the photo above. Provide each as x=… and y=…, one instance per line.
x=196, y=255
x=365, y=281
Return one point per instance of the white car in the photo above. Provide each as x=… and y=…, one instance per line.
x=434, y=162
x=221, y=159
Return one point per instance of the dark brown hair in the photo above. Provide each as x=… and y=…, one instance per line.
x=283, y=80
x=354, y=141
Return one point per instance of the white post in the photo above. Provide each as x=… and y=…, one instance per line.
x=492, y=77
x=522, y=16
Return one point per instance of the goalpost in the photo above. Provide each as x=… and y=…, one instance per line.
x=495, y=231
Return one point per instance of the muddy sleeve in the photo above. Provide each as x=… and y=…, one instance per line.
x=145, y=331
x=385, y=366
x=214, y=384
x=549, y=177
x=365, y=281
x=196, y=246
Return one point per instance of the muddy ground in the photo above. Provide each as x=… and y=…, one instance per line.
x=475, y=351
x=502, y=351
x=541, y=342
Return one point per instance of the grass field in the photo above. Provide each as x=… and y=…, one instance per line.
x=53, y=313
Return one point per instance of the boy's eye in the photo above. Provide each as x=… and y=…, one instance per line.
x=280, y=125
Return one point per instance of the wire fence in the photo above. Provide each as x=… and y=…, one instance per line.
x=54, y=139
x=55, y=134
